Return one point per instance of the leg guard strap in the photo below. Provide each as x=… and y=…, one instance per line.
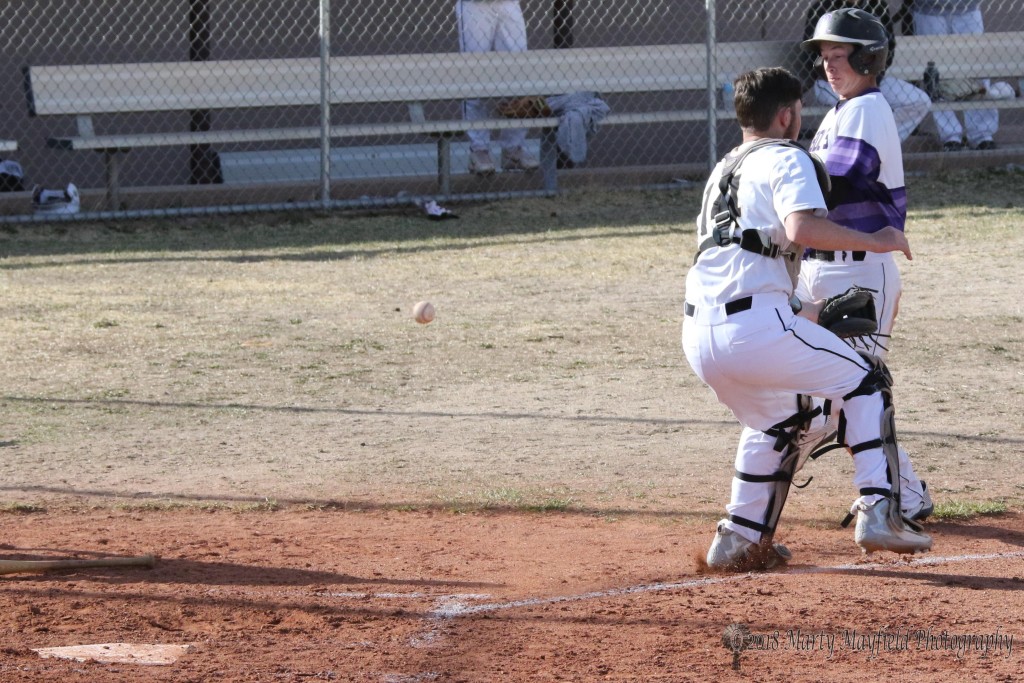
x=867, y=491
x=786, y=431
x=751, y=524
x=866, y=446
x=778, y=475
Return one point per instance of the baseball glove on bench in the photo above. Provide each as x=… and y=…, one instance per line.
x=533, y=107
x=850, y=314
x=958, y=89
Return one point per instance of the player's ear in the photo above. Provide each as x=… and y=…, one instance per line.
x=784, y=117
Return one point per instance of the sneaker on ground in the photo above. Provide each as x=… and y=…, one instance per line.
x=518, y=160
x=877, y=530
x=730, y=551
x=952, y=146
x=480, y=162
x=986, y=145
x=56, y=201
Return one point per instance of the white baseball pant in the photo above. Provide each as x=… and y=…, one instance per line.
x=979, y=124
x=877, y=272
x=490, y=26
x=757, y=361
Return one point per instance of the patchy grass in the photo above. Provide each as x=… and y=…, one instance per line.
x=511, y=499
x=21, y=508
x=960, y=510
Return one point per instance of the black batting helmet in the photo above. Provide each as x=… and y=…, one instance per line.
x=863, y=30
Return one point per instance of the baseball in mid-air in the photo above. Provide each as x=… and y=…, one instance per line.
x=423, y=312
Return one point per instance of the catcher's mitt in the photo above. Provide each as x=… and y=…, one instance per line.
x=533, y=107
x=850, y=314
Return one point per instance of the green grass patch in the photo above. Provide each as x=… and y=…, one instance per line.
x=20, y=508
x=508, y=498
x=959, y=509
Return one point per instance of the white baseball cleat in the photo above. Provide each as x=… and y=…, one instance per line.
x=877, y=530
x=730, y=551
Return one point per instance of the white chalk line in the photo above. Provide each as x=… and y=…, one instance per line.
x=454, y=605
x=450, y=608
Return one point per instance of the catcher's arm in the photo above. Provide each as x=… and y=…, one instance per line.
x=820, y=233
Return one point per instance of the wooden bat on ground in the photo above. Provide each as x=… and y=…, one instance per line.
x=18, y=566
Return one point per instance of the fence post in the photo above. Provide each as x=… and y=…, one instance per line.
x=325, y=103
x=204, y=162
x=712, y=71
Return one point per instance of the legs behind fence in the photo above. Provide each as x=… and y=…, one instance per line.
x=112, y=163
x=444, y=163
x=549, y=158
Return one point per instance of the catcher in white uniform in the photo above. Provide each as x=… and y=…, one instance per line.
x=860, y=147
x=742, y=337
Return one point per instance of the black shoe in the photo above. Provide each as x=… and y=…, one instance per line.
x=986, y=144
x=952, y=146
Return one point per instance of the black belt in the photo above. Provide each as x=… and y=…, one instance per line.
x=831, y=255
x=736, y=306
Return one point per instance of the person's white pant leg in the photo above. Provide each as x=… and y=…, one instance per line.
x=870, y=467
x=510, y=32
x=947, y=124
x=909, y=104
x=979, y=124
x=478, y=26
x=821, y=279
x=757, y=367
x=756, y=455
x=510, y=36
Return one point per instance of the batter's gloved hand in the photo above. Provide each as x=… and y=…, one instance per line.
x=533, y=107
x=850, y=314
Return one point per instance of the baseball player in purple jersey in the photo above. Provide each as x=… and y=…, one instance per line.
x=742, y=337
x=909, y=103
x=860, y=147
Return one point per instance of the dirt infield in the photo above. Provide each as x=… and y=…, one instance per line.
x=515, y=492
x=487, y=596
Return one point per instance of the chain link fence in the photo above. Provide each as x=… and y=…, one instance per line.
x=241, y=123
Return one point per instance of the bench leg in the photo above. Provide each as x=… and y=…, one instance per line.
x=444, y=164
x=549, y=158
x=112, y=163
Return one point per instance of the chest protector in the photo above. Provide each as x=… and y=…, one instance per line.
x=724, y=231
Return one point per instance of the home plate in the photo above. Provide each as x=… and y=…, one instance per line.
x=118, y=653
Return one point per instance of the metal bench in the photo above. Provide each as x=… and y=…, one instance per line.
x=85, y=91
x=82, y=92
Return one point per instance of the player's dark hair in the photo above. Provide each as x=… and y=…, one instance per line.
x=761, y=93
